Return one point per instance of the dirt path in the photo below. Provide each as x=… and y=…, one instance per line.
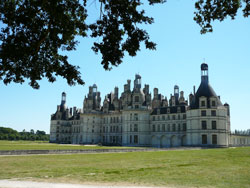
x=31, y=184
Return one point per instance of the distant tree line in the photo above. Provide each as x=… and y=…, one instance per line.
x=242, y=132
x=11, y=134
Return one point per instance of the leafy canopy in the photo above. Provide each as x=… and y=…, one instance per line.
x=33, y=32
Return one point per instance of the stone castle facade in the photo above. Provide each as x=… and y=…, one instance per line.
x=137, y=118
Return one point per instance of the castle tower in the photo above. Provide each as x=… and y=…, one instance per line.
x=208, y=117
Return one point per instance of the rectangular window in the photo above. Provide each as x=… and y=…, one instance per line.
x=203, y=113
x=184, y=116
x=204, y=125
x=178, y=110
x=136, y=117
x=202, y=103
x=153, y=118
x=135, y=128
x=214, y=139
x=204, y=139
x=163, y=127
x=168, y=128
x=136, y=98
x=173, y=117
x=173, y=127
x=213, y=113
x=153, y=128
x=163, y=117
x=213, y=124
x=130, y=139
x=184, y=126
x=213, y=103
x=136, y=139
x=158, y=128
x=179, y=127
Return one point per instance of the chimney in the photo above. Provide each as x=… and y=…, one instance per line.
x=194, y=90
x=190, y=98
x=74, y=110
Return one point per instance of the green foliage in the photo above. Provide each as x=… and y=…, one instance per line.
x=36, y=31
x=11, y=134
x=210, y=10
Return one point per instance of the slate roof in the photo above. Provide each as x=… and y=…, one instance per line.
x=173, y=109
x=205, y=90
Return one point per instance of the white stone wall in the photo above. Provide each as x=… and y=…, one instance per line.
x=195, y=130
x=239, y=140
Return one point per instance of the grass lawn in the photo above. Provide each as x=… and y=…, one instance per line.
x=193, y=168
x=45, y=145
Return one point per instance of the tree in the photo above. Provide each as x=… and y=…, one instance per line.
x=211, y=10
x=33, y=32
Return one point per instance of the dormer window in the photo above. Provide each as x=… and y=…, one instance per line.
x=136, y=98
x=213, y=103
x=158, y=111
x=168, y=110
x=178, y=110
x=203, y=104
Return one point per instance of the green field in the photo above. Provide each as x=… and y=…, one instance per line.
x=45, y=145
x=193, y=168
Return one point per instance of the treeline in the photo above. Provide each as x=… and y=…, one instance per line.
x=11, y=134
x=242, y=132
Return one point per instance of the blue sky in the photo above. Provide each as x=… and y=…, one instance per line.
x=180, y=51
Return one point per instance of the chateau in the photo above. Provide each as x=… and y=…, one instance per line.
x=138, y=119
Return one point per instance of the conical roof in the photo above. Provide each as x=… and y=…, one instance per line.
x=204, y=90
